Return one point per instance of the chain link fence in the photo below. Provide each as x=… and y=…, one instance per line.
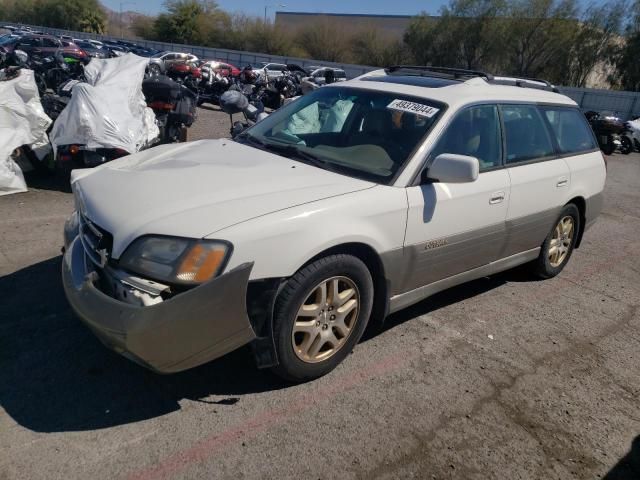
x=623, y=104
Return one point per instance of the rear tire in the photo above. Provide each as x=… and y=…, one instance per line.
x=321, y=313
x=559, y=244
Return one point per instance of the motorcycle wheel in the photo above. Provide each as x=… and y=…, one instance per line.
x=608, y=147
x=627, y=146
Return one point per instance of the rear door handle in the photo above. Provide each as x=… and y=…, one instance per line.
x=496, y=197
x=562, y=182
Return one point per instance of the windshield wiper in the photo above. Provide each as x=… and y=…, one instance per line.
x=255, y=141
x=292, y=151
x=287, y=150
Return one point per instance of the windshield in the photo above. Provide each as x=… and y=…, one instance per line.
x=158, y=55
x=361, y=133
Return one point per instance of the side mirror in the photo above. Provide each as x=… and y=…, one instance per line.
x=452, y=168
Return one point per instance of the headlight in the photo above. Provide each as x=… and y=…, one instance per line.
x=176, y=260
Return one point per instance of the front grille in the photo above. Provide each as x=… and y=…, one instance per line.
x=96, y=241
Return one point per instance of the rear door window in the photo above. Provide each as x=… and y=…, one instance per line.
x=526, y=135
x=50, y=43
x=570, y=128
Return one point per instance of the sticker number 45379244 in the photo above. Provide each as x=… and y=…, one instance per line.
x=412, y=107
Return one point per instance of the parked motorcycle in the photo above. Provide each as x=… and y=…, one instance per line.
x=187, y=74
x=609, y=131
x=174, y=106
x=233, y=102
x=212, y=85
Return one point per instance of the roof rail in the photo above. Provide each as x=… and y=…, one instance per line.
x=429, y=71
x=525, y=82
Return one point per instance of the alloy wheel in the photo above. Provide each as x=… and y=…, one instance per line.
x=326, y=319
x=561, y=241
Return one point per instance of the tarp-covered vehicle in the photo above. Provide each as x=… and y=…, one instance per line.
x=23, y=127
x=107, y=117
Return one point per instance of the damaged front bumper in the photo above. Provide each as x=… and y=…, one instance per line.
x=176, y=334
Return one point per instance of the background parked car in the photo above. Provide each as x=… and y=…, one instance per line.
x=320, y=73
x=91, y=49
x=44, y=44
x=223, y=68
x=160, y=62
x=115, y=49
x=273, y=70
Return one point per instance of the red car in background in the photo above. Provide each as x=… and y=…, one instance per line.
x=223, y=68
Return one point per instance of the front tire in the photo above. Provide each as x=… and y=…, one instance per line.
x=321, y=313
x=627, y=146
x=559, y=244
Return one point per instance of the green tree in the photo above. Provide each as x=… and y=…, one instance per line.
x=595, y=42
x=370, y=47
x=191, y=21
x=325, y=41
x=538, y=34
x=627, y=64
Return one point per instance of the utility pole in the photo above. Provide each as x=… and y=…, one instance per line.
x=121, y=5
x=269, y=6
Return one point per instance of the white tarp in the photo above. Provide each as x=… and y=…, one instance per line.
x=22, y=122
x=635, y=129
x=109, y=111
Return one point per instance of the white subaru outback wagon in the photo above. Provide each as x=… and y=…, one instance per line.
x=348, y=204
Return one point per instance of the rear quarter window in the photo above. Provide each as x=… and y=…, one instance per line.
x=570, y=128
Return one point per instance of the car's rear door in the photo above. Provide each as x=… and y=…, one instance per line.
x=456, y=227
x=540, y=179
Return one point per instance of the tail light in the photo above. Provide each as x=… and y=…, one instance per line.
x=160, y=105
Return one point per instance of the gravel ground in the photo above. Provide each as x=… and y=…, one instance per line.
x=501, y=378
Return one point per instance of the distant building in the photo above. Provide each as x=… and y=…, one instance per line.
x=392, y=25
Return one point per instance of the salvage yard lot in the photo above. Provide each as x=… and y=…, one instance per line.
x=501, y=378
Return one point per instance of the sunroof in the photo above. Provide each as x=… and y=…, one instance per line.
x=415, y=80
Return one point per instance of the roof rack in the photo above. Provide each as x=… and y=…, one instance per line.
x=442, y=72
x=525, y=82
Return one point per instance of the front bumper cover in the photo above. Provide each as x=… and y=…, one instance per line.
x=185, y=331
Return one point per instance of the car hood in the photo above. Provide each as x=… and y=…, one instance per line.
x=198, y=188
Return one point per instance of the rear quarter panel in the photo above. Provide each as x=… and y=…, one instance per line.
x=588, y=176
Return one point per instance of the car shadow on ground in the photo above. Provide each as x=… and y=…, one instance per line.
x=56, y=376
x=628, y=468
x=451, y=296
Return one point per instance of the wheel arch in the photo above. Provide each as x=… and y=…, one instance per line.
x=581, y=204
x=370, y=257
x=262, y=295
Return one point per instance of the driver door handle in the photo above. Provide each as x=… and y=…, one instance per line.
x=496, y=197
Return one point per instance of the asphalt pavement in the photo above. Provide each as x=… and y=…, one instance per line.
x=502, y=378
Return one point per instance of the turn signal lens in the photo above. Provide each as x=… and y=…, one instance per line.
x=73, y=149
x=201, y=263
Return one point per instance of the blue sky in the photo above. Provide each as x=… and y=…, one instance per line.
x=256, y=7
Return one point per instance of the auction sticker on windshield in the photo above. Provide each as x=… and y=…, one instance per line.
x=412, y=107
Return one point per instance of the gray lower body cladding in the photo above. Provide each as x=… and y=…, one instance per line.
x=182, y=332
x=427, y=262
x=501, y=245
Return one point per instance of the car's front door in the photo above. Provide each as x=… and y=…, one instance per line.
x=456, y=227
